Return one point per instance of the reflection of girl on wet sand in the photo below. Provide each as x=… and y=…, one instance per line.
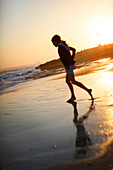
x=82, y=139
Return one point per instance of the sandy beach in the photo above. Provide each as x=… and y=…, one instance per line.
x=103, y=161
x=37, y=129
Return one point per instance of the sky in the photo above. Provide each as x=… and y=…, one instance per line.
x=27, y=26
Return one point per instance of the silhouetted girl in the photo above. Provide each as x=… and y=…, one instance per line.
x=68, y=61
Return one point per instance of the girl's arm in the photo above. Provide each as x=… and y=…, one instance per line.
x=73, y=51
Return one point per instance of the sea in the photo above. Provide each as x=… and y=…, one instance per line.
x=14, y=76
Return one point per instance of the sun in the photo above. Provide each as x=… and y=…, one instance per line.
x=102, y=30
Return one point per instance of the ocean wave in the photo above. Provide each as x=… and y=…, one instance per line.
x=14, y=77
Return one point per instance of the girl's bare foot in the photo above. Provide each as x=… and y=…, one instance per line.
x=71, y=99
x=90, y=93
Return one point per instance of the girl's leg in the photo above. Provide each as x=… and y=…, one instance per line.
x=77, y=83
x=70, y=87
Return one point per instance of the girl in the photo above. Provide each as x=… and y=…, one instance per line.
x=68, y=61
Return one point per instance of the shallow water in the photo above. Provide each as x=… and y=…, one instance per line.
x=34, y=117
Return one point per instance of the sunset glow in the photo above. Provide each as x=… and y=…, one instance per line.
x=27, y=27
x=102, y=29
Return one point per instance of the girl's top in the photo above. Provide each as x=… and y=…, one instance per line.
x=65, y=56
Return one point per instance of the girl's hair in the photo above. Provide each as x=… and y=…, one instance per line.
x=58, y=38
x=65, y=43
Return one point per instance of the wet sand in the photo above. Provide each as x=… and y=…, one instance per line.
x=37, y=129
x=104, y=161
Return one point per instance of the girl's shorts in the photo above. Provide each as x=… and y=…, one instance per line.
x=70, y=70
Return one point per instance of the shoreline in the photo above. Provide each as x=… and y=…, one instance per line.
x=102, y=161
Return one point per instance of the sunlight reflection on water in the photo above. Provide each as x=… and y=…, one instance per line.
x=104, y=60
x=110, y=67
x=109, y=77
